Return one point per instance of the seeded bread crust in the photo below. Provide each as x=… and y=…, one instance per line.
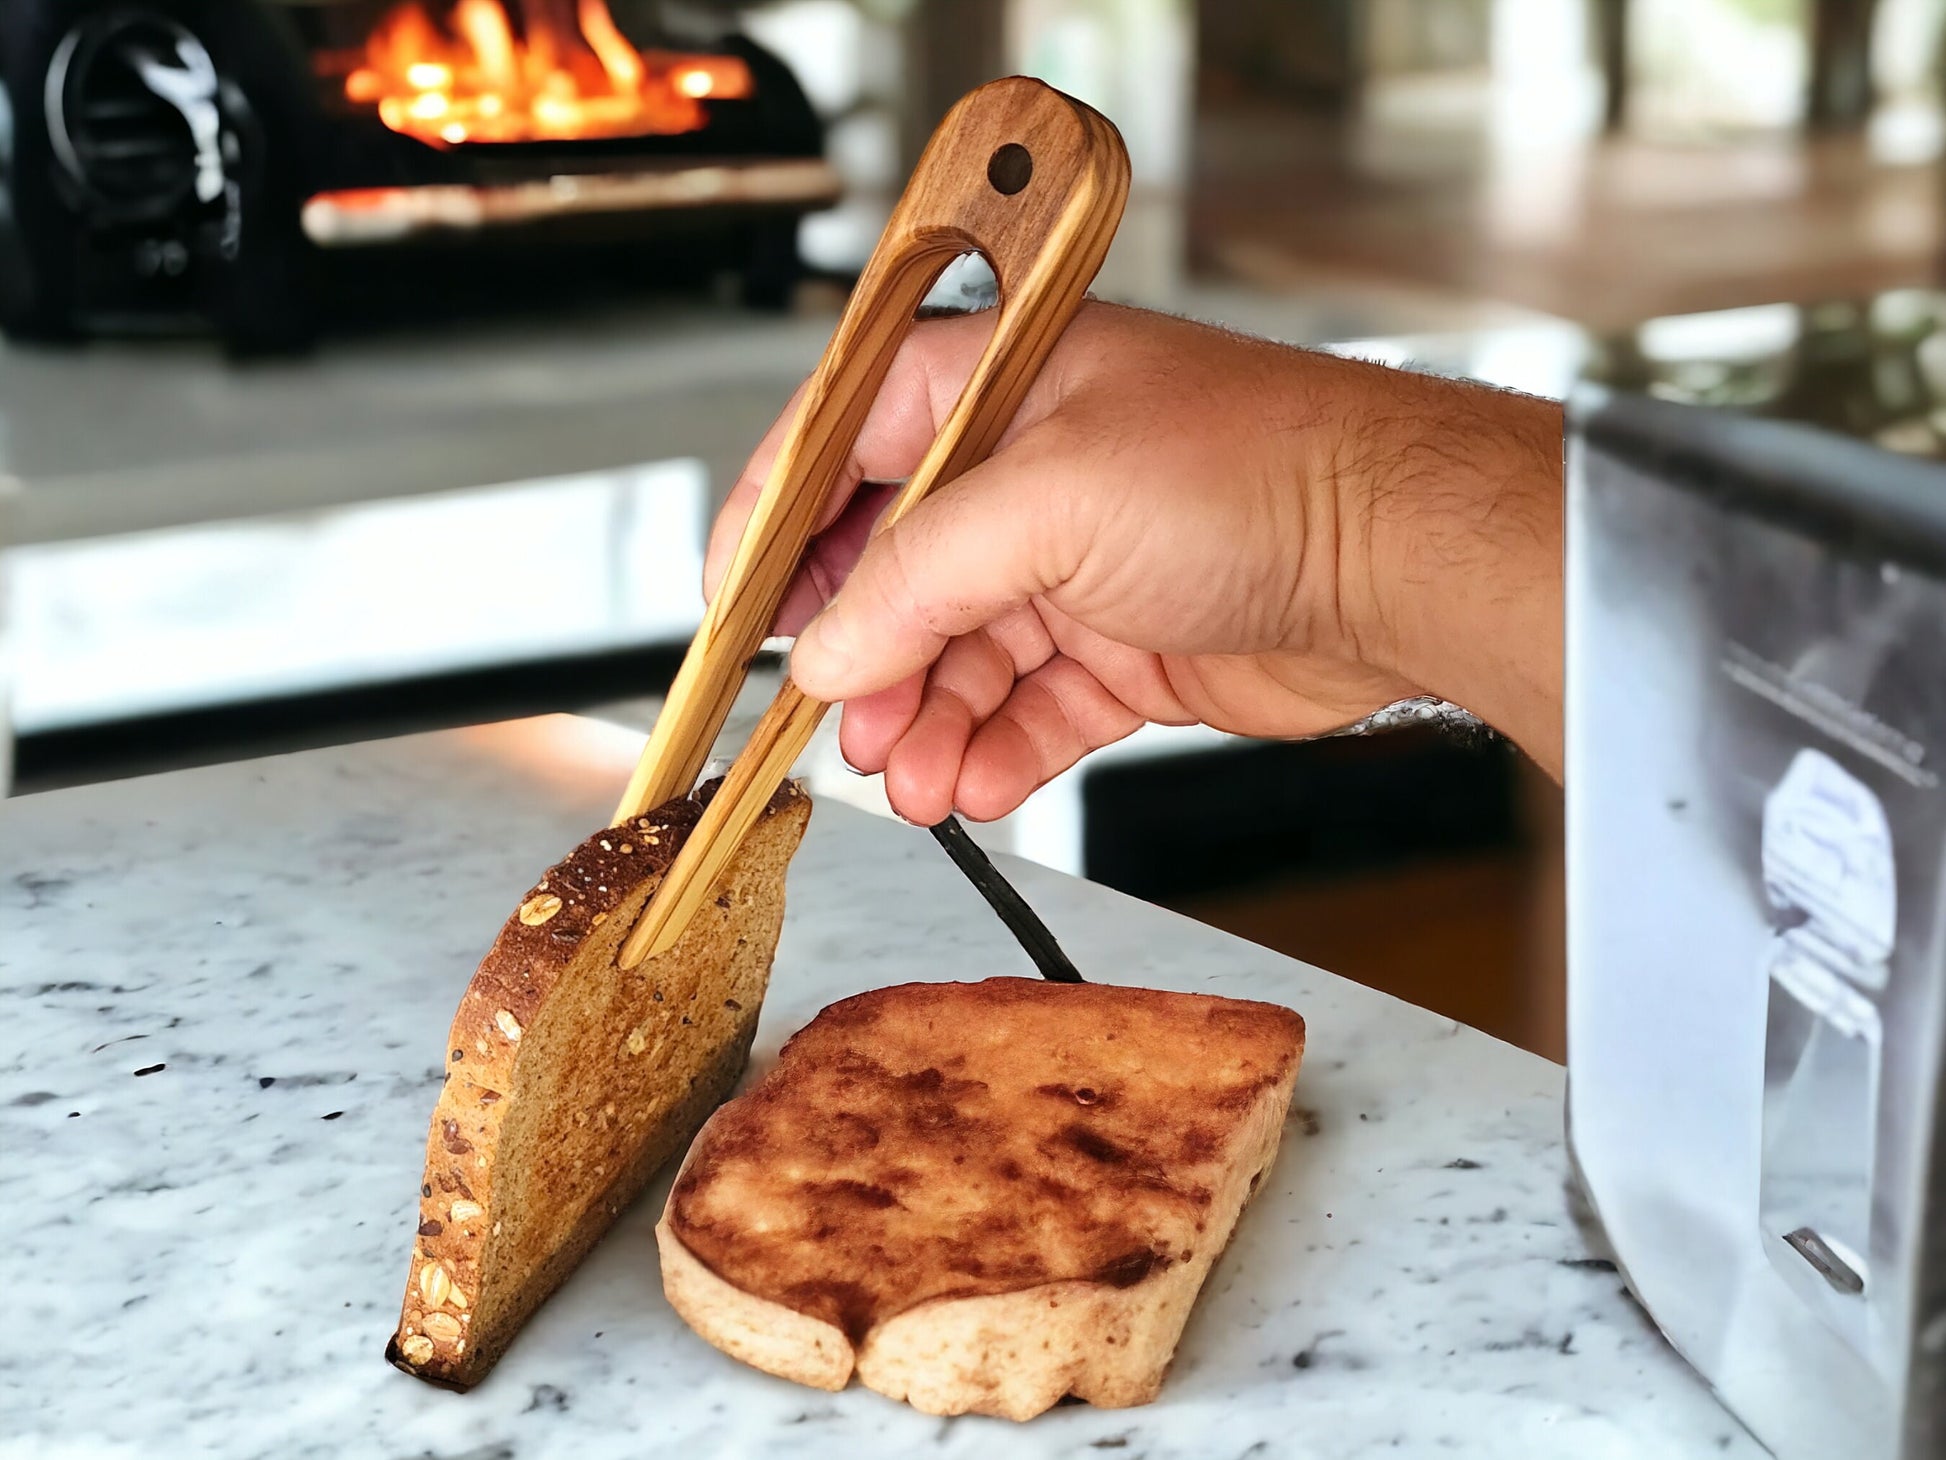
x=570, y=1083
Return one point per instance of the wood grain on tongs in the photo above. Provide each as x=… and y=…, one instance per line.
x=1036, y=182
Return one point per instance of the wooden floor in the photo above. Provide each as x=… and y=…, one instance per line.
x=1605, y=234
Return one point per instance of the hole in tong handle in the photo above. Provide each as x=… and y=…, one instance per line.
x=1010, y=168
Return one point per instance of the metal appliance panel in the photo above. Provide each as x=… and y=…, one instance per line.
x=1756, y=727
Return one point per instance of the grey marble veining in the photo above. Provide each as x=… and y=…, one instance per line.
x=224, y=994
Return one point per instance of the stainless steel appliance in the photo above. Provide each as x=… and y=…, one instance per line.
x=1757, y=914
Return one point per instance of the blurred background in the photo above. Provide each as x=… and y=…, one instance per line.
x=374, y=365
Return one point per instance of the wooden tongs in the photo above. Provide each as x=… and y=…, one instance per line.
x=1036, y=182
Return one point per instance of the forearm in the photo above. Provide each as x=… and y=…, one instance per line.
x=1449, y=506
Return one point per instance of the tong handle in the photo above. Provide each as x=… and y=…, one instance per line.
x=1028, y=177
x=1036, y=182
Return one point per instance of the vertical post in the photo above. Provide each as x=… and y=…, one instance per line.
x=1840, y=98
x=951, y=46
x=1611, y=41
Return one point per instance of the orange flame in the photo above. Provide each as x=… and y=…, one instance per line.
x=480, y=80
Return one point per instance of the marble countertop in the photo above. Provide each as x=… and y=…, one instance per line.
x=225, y=992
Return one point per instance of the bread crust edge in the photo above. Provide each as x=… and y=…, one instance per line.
x=504, y=995
x=999, y=1354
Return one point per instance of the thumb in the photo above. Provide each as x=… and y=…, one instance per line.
x=965, y=556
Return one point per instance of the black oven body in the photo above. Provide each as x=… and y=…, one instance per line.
x=156, y=155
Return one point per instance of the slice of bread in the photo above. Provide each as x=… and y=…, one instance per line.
x=981, y=1197
x=569, y=1082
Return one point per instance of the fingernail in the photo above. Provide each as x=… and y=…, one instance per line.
x=924, y=825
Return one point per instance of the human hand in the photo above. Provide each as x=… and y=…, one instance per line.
x=1181, y=525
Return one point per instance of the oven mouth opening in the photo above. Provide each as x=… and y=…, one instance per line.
x=511, y=72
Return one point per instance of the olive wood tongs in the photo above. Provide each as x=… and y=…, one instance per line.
x=1036, y=182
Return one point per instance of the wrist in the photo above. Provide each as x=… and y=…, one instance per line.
x=1447, y=499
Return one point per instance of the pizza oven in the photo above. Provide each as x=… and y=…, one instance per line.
x=260, y=165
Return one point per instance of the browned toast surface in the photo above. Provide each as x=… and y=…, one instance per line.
x=570, y=1082
x=949, y=1141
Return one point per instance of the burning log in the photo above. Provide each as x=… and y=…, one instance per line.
x=565, y=73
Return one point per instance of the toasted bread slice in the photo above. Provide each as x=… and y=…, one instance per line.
x=981, y=1197
x=569, y=1082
